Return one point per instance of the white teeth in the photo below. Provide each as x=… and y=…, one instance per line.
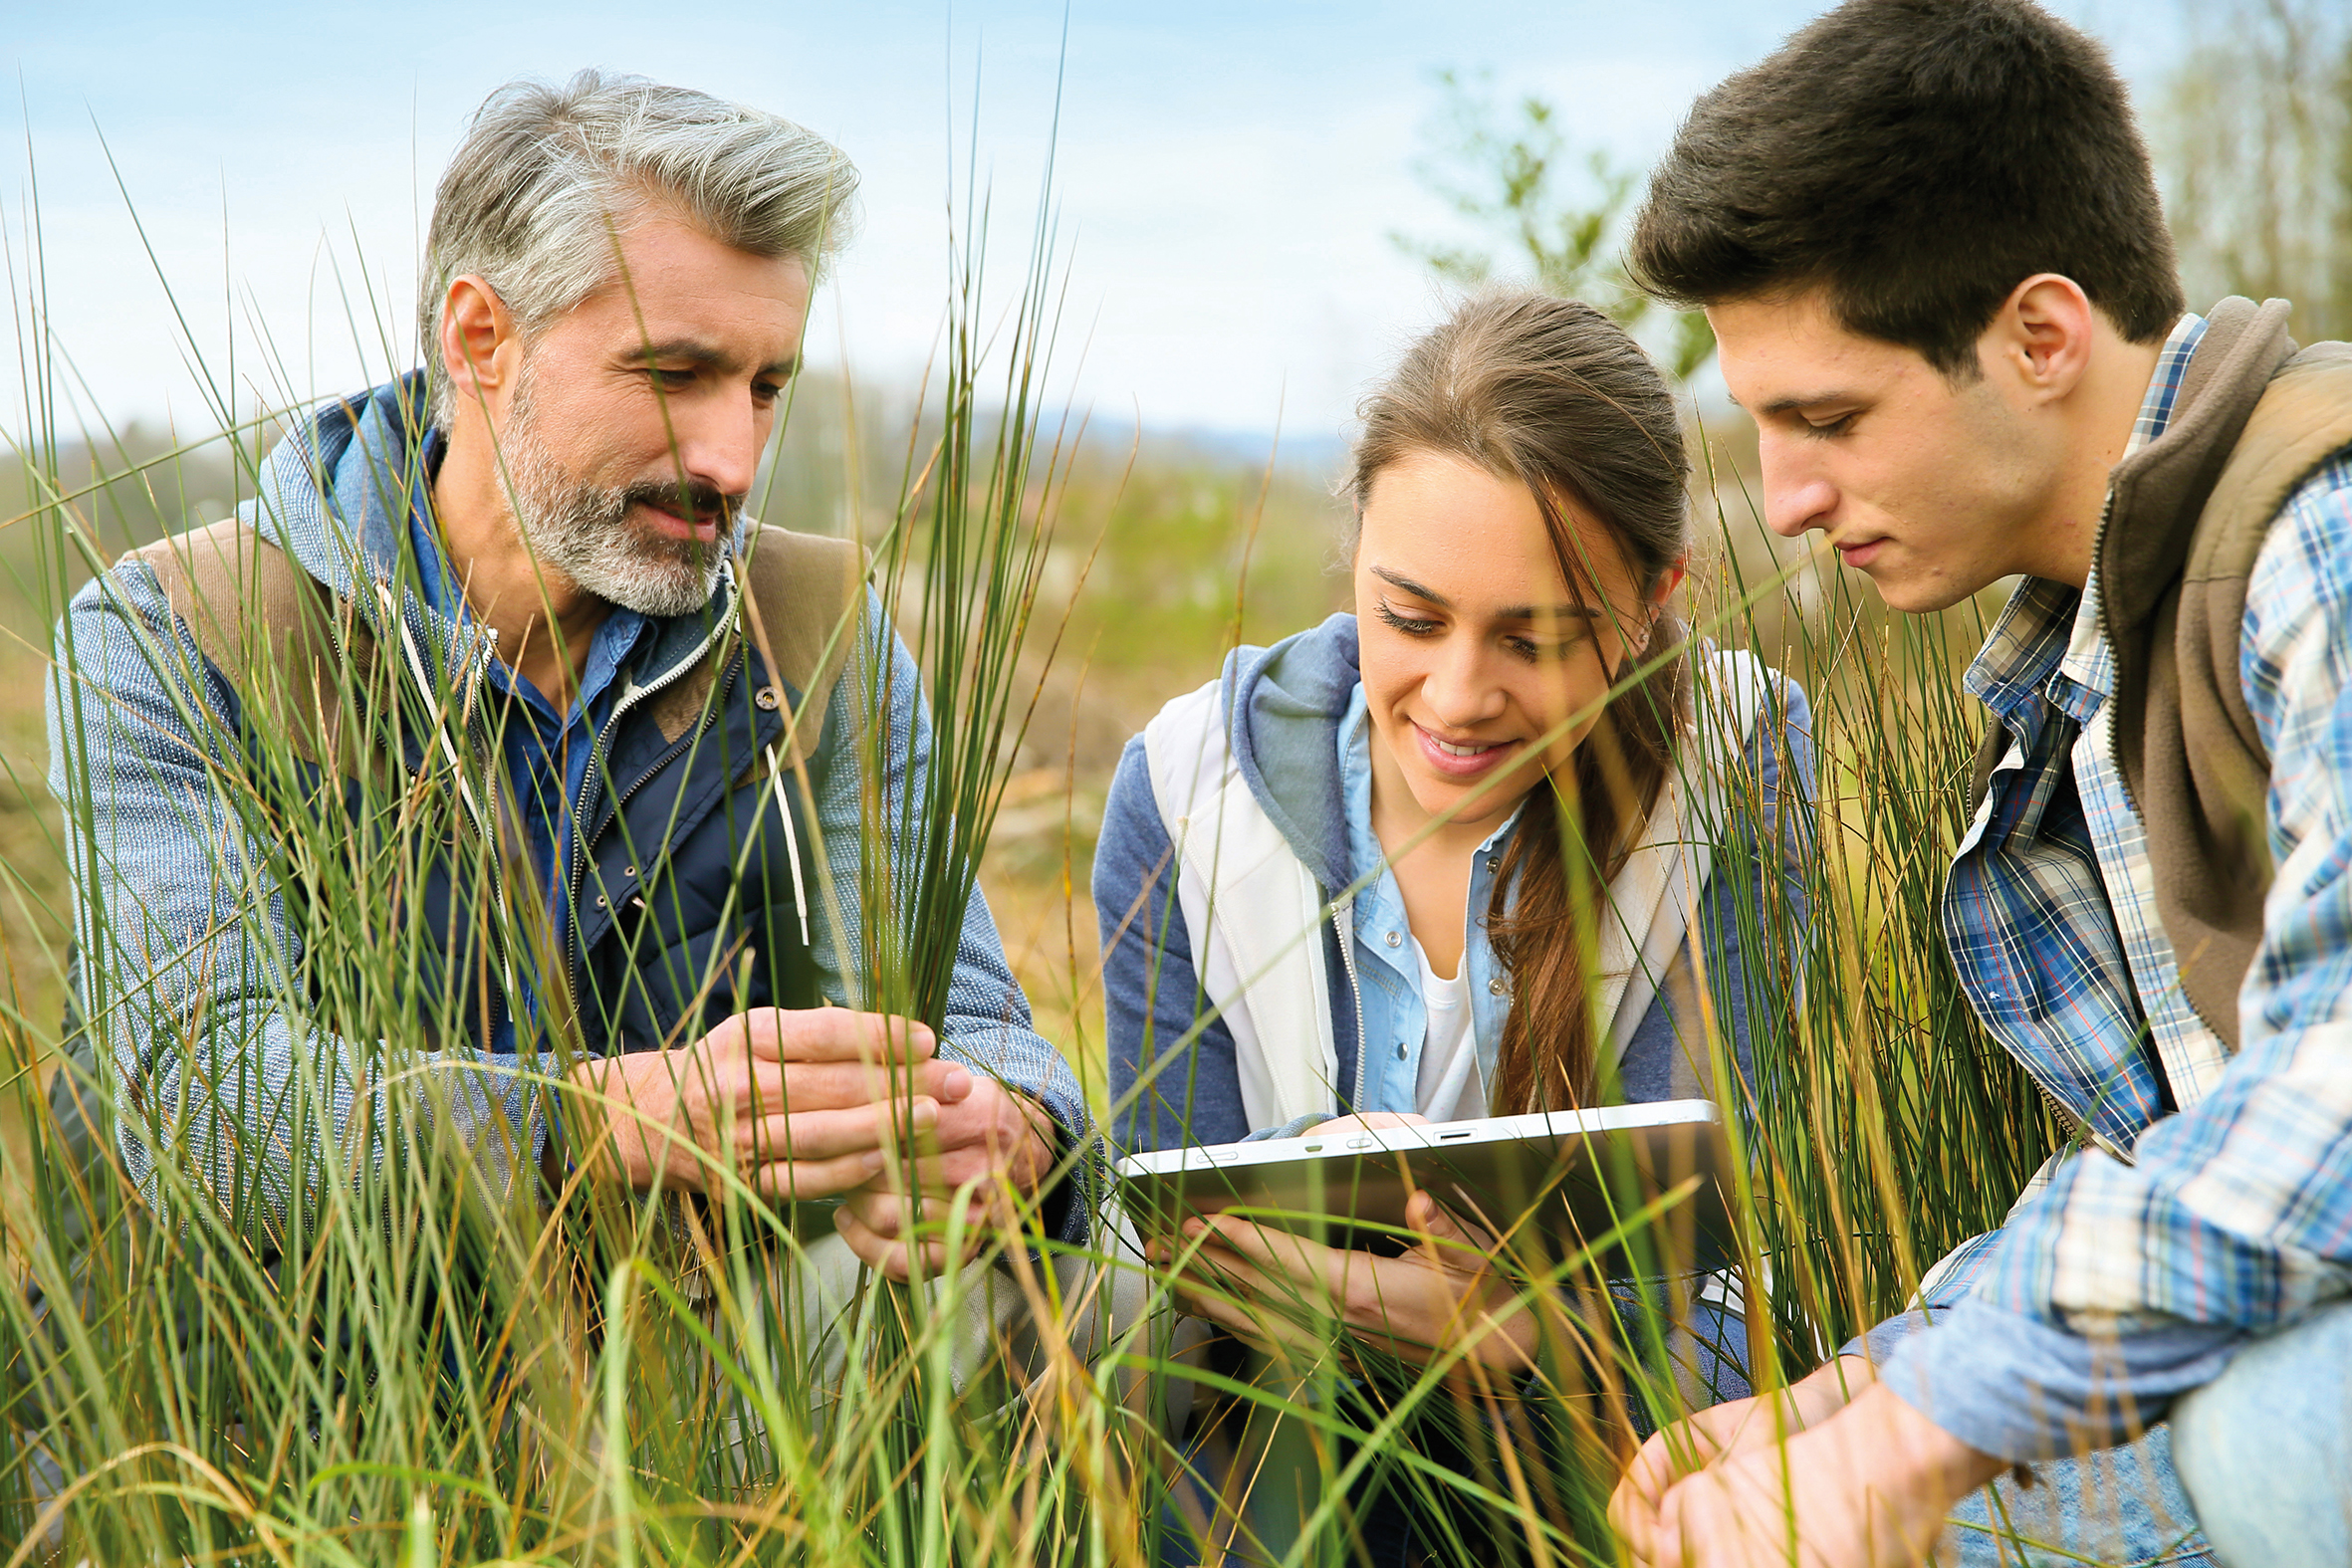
x=1458, y=751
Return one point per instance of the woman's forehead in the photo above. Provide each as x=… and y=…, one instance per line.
x=1464, y=535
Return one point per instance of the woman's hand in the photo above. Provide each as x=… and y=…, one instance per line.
x=1274, y=1288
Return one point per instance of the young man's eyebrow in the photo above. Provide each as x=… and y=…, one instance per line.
x=1508, y=612
x=1798, y=404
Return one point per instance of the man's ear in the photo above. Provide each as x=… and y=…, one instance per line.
x=475, y=326
x=2042, y=336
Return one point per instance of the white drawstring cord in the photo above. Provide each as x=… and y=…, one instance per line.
x=424, y=685
x=791, y=840
x=465, y=790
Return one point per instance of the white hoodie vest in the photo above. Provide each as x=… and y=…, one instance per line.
x=1254, y=912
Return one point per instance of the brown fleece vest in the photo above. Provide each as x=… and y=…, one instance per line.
x=2187, y=515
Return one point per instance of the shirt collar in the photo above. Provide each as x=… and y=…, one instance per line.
x=2164, y=385
x=2010, y=673
x=2087, y=662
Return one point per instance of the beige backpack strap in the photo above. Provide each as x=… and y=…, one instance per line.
x=1254, y=913
x=279, y=637
x=802, y=594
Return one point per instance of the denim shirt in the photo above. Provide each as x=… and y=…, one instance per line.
x=547, y=754
x=1395, y=1018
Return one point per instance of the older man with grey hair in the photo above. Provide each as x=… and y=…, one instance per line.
x=521, y=583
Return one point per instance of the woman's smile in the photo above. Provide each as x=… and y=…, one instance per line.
x=1464, y=758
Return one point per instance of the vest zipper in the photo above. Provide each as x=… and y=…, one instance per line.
x=2107, y=631
x=1343, y=923
x=477, y=741
x=2075, y=1124
x=485, y=825
x=2067, y=1117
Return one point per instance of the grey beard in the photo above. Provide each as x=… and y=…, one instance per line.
x=582, y=531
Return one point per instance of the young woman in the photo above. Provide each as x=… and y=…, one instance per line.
x=1495, y=771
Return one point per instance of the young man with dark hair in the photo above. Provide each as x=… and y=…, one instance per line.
x=1927, y=236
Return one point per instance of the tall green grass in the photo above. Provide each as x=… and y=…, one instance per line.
x=1890, y=1125
x=425, y=1359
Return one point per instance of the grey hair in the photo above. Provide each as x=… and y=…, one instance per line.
x=547, y=175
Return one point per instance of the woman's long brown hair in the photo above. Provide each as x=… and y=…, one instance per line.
x=1553, y=394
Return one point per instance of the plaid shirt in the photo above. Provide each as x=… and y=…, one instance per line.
x=2217, y=1201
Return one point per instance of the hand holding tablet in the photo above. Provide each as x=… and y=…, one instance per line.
x=1638, y=1187
x=1278, y=1290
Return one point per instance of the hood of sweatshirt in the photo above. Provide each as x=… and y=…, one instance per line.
x=1283, y=706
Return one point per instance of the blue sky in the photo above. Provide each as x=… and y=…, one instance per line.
x=1228, y=177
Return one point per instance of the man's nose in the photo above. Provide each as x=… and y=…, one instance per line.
x=719, y=442
x=1796, y=495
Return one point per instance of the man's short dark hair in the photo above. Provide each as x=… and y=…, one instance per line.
x=1918, y=159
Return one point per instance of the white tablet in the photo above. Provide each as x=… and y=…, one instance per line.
x=1643, y=1187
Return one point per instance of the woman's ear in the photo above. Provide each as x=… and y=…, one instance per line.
x=1660, y=591
x=1668, y=581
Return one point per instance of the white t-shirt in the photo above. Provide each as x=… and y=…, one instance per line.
x=1449, y=1086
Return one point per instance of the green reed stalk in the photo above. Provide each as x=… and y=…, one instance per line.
x=1890, y=1126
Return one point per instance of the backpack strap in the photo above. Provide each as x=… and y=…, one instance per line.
x=282, y=642
x=801, y=593
x=1656, y=894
